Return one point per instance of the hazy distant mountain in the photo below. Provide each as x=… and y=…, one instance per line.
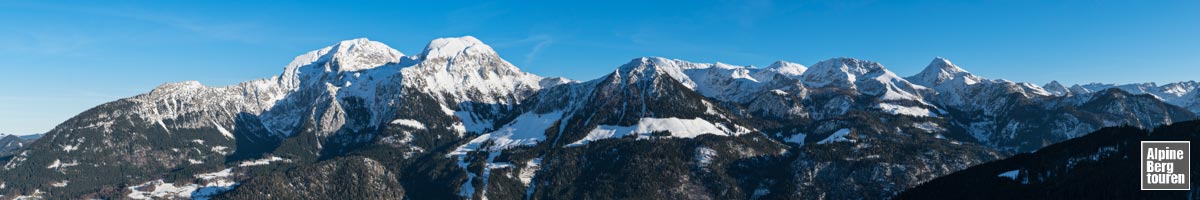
x=30, y=137
x=1183, y=94
x=9, y=144
x=359, y=119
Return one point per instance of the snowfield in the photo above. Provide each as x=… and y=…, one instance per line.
x=906, y=110
x=527, y=129
x=1010, y=174
x=838, y=136
x=263, y=161
x=678, y=128
x=214, y=183
x=409, y=123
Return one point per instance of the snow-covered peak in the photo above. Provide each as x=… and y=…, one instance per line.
x=648, y=68
x=465, y=69
x=1056, y=88
x=350, y=55
x=719, y=80
x=179, y=85
x=840, y=72
x=865, y=76
x=345, y=56
x=685, y=72
x=456, y=46
x=941, y=70
x=786, y=68
x=1078, y=89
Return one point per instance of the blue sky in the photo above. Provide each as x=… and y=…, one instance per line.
x=62, y=57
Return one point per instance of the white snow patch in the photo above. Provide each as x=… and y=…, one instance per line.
x=1010, y=174
x=164, y=126
x=906, y=110
x=678, y=128
x=467, y=189
x=60, y=183
x=797, y=138
x=471, y=124
x=527, y=129
x=530, y=169
x=164, y=190
x=69, y=148
x=527, y=174
x=838, y=136
x=220, y=149
x=929, y=127
x=219, y=174
x=223, y=131
x=705, y=155
x=263, y=161
x=59, y=164
x=37, y=194
x=459, y=128
x=446, y=110
x=409, y=123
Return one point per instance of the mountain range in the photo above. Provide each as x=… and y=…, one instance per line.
x=361, y=120
x=1099, y=165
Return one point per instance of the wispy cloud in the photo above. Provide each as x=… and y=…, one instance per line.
x=653, y=38
x=243, y=31
x=538, y=43
x=747, y=12
x=466, y=19
x=44, y=42
x=77, y=96
x=237, y=30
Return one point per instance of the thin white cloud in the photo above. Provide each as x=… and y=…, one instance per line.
x=747, y=12
x=539, y=43
x=44, y=42
x=243, y=31
x=469, y=18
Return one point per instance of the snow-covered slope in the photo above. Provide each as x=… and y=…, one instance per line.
x=941, y=71
x=466, y=70
x=958, y=88
x=1057, y=89
x=867, y=77
x=785, y=68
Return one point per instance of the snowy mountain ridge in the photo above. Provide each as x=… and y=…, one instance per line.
x=1184, y=94
x=476, y=121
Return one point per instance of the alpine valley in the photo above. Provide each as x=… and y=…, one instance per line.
x=360, y=120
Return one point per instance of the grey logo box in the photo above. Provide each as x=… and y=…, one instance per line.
x=1170, y=169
